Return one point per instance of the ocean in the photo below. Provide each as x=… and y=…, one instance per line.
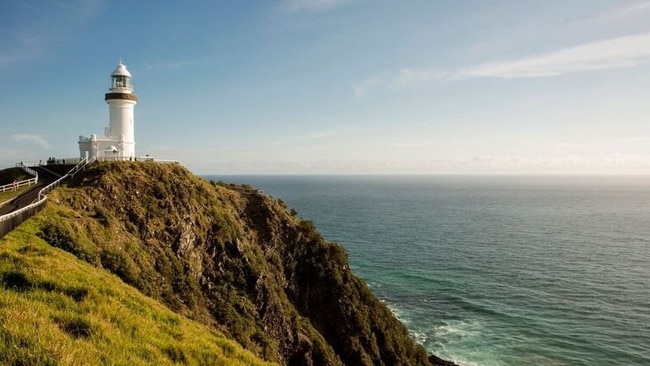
x=495, y=270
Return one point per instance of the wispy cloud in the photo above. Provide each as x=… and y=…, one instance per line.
x=319, y=135
x=572, y=164
x=600, y=142
x=410, y=145
x=43, y=27
x=36, y=139
x=625, y=13
x=403, y=79
x=612, y=53
x=172, y=64
x=629, y=139
x=419, y=78
x=372, y=82
x=572, y=144
x=313, y=5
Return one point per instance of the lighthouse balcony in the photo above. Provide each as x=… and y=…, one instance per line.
x=121, y=96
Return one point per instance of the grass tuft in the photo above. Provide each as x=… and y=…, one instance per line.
x=75, y=326
x=176, y=354
x=78, y=294
x=17, y=281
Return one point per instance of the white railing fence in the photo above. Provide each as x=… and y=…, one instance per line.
x=9, y=221
x=136, y=158
x=22, y=183
x=71, y=161
x=28, y=169
x=42, y=194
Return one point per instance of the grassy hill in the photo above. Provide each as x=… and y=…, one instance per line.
x=58, y=310
x=229, y=258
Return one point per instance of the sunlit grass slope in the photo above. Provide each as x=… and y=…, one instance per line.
x=57, y=310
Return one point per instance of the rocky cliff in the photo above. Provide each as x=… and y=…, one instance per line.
x=229, y=257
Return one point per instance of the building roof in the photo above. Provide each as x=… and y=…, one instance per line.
x=121, y=70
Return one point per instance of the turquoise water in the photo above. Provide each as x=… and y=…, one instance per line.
x=496, y=270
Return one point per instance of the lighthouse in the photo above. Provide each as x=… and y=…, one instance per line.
x=118, y=142
x=121, y=101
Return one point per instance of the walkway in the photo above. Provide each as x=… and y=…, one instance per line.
x=46, y=175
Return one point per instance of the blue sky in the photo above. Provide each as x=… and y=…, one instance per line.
x=338, y=86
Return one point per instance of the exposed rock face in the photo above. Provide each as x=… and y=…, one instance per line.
x=233, y=259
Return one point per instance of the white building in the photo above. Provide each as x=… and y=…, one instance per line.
x=118, y=142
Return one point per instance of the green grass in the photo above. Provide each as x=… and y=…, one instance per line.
x=9, y=195
x=58, y=310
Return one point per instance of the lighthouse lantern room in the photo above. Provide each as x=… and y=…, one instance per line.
x=118, y=142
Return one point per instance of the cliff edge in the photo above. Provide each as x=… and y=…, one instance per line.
x=229, y=257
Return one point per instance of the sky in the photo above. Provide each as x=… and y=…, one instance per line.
x=337, y=86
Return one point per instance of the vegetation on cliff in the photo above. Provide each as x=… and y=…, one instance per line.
x=57, y=310
x=230, y=258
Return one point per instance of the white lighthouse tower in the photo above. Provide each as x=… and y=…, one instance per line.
x=121, y=101
x=118, y=142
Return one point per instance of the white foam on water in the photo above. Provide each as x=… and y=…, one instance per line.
x=397, y=312
x=451, y=340
x=420, y=337
x=462, y=362
x=458, y=329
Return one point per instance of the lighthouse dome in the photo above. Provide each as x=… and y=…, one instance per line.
x=121, y=70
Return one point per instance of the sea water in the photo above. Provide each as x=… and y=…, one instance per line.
x=495, y=270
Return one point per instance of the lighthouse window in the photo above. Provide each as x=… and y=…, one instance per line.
x=120, y=81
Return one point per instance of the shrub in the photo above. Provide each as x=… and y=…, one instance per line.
x=59, y=234
x=176, y=354
x=75, y=326
x=121, y=264
x=16, y=281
